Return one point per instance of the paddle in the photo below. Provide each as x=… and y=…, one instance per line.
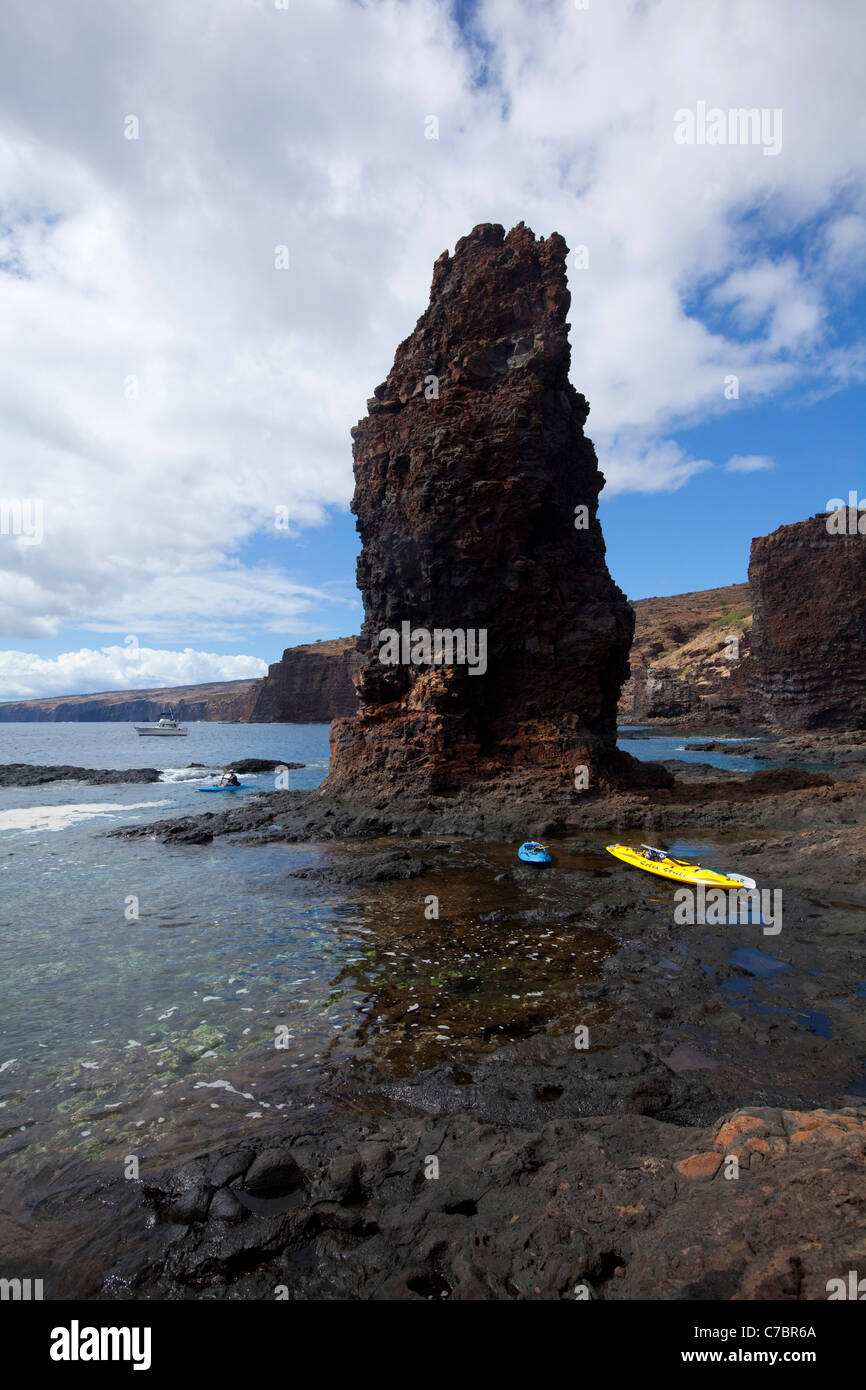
x=672, y=857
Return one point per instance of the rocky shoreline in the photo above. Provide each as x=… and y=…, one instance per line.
x=586, y=1208
x=721, y=1091
x=501, y=1161
x=607, y=1164
x=34, y=775
x=695, y=795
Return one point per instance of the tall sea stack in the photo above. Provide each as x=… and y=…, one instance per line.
x=476, y=498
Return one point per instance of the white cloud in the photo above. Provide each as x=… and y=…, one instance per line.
x=24, y=676
x=774, y=294
x=221, y=605
x=749, y=463
x=845, y=245
x=634, y=464
x=153, y=259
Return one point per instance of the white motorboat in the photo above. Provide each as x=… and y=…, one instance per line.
x=165, y=727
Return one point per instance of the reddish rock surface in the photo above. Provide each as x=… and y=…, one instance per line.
x=808, y=590
x=310, y=684
x=468, y=468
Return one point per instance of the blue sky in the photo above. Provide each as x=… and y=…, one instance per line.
x=699, y=537
x=166, y=388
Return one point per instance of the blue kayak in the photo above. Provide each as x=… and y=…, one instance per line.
x=533, y=853
x=241, y=787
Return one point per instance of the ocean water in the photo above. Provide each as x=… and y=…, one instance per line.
x=660, y=748
x=158, y=999
x=141, y=985
x=116, y=745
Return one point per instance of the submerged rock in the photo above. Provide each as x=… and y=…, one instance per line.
x=368, y=868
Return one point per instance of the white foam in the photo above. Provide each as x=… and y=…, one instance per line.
x=186, y=774
x=222, y=1086
x=32, y=819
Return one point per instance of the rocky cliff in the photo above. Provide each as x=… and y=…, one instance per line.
x=476, y=497
x=685, y=668
x=310, y=684
x=808, y=588
x=226, y=700
x=799, y=658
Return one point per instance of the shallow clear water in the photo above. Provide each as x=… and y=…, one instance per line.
x=139, y=982
x=145, y=986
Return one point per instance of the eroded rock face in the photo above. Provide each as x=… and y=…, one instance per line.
x=309, y=684
x=808, y=592
x=690, y=660
x=469, y=468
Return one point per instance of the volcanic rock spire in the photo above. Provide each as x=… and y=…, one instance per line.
x=494, y=638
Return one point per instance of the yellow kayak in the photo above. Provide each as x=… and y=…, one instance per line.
x=658, y=861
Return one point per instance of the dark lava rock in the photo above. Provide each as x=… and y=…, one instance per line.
x=29, y=775
x=260, y=765
x=376, y=868
x=230, y=1166
x=734, y=750
x=505, y=1086
x=186, y=1196
x=275, y=1173
x=625, y=1207
x=194, y=833
x=226, y=1207
x=788, y=779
